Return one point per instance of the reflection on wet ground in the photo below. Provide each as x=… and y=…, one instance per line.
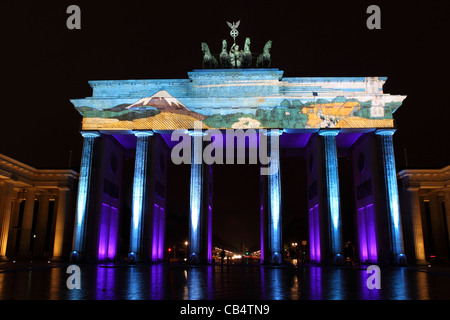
x=169, y=282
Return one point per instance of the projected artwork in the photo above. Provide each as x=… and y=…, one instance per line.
x=239, y=99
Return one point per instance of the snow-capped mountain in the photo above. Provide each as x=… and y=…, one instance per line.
x=161, y=100
x=165, y=103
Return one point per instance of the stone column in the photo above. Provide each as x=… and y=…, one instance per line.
x=263, y=219
x=392, y=200
x=274, y=226
x=6, y=193
x=41, y=225
x=210, y=214
x=27, y=222
x=60, y=223
x=196, y=197
x=447, y=210
x=139, y=195
x=332, y=193
x=416, y=218
x=11, y=249
x=438, y=230
x=84, y=189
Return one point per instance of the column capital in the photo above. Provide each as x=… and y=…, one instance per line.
x=273, y=132
x=329, y=132
x=87, y=134
x=43, y=192
x=5, y=181
x=413, y=189
x=143, y=133
x=385, y=132
x=196, y=133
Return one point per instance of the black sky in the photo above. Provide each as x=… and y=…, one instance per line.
x=46, y=64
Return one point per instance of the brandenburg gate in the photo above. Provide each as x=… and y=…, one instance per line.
x=322, y=117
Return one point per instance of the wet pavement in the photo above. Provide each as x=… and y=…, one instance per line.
x=48, y=281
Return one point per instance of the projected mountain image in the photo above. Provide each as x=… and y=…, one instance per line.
x=162, y=111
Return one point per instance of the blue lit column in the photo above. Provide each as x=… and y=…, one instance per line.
x=392, y=200
x=196, y=193
x=139, y=195
x=274, y=197
x=332, y=193
x=83, y=200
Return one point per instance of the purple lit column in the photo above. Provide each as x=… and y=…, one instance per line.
x=105, y=220
x=139, y=195
x=158, y=233
x=162, y=222
x=367, y=238
x=332, y=193
x=113, y=232
x=210, y=213
x=392, y=200
x=314, y=233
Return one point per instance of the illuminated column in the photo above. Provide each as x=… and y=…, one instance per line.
x=84, y=189
x=27, y=222
x=162, y=226
x=158, y=233
x=155, y=239
x=332, y=193
x=6, y=193
x=14, y=221
x=209, y=253
x=447, y=210
x=60, y=221
x=274, y=197
x=392, y=200
x=263, y=217
x=440, y=243
x=416, y=217
x=139, y=194
x=196, y=193
x=41, y=228
x=210, y=213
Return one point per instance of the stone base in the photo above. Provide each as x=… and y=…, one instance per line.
x=401, y=260
x=74, y=256
x=193, y=259
x=132, y=258
x=56, y=259
x=421, y=263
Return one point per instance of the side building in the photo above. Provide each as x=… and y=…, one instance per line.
x=36, y=211
x=425, y=199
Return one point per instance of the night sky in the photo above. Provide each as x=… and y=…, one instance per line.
x=46, y=65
